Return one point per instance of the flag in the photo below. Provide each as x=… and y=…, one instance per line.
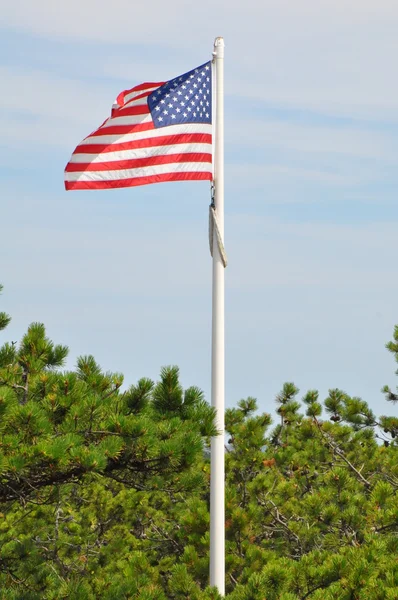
x=156, y=132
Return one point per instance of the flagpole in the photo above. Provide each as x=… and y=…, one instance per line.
x=217, y=476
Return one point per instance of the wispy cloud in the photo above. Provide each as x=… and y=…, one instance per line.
x=311, y=128
x=265, y=175
x=312, y=138
x=268, y=252
x=340, y=53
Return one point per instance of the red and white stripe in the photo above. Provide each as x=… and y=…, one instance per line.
x=128, y=150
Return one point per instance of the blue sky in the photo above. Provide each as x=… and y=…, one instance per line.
x=311, y=179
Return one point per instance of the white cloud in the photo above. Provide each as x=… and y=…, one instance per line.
x=344, y=140
x=40, y=93
x=41, y=109
x=123, y=256
x=268, y=252
x=263, y=176
x=127, y=22
x=328, y=56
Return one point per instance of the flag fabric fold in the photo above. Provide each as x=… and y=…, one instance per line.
x=156, y=132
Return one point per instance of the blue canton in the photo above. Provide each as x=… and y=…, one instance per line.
x=184, y=99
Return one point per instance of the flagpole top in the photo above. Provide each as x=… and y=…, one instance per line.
x=219, y=47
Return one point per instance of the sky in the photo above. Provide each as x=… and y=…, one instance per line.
x=311, y=157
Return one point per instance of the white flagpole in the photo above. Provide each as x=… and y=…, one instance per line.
x=217, y=477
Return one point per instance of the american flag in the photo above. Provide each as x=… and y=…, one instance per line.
x=156, y=132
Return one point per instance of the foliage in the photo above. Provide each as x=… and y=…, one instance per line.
x=4, y=318
x=58, y=426
x=105, y=493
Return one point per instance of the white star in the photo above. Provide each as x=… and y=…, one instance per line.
x=202, y=73
x=207, y=67
x=157, y=107
x=197, y=97
x=165, y=112
x=182, y=103
x=195, y=85
x=193, y=102
x=191, y=76
x=184, y=87
x=173, y=116
x=180, y=79
x=178, y=109
x=179, y=92
x=186, y=97
x=167, y=96
x=189, y=109
x=175, y=99
x=162, y=101
x=201, y=103
x=185, y=114
x=199, y=79
x=160, y=119
x=194, y=114
x=207, y=115
x=170, y=105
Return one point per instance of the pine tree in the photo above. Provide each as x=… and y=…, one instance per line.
x=58, y=426
x=4, y=318
x=70, y=443
x=105, y=493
